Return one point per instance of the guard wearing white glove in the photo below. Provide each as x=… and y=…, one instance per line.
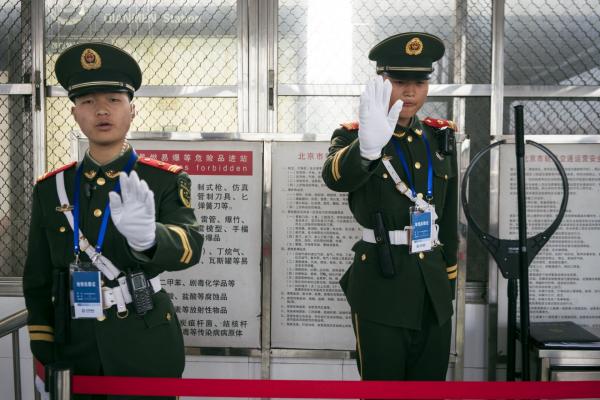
x=376, y=122
x=402, y=323
x=156, y=231
x=133, y=212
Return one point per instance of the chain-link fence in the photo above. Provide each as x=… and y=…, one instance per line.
x=327, y=113
x=188, y=43
x=551, y=42
x=175, y=114
x=15, y=42
x=16, y=182
x=15, y=137
x=175, y=42
x=555, y=117
x=327, y=43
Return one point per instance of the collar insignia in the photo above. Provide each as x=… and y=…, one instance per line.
x=90, y=174
x=112, y=174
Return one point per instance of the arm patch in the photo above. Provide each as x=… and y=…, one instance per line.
x=184, y=186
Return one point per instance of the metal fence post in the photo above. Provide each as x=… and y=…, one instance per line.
x=60, y=383
x=16, y=364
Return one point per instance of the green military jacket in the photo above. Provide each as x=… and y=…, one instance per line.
x=397, y=301
x=50, y=251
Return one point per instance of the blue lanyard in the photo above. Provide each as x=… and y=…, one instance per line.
x=76, y=206
x=407, y=171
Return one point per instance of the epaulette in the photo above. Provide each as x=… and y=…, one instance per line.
x=440, y=123
x=351, y=126
x=160, y=164
x=56, y=171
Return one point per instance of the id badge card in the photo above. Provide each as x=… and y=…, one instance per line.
x=86, y=296
x=421, y=230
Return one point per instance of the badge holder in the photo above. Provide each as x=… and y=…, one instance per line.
x=421, y=230
x=86, y=290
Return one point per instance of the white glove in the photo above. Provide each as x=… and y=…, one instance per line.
x=133, y=212
x=376, y=124
x=39, y=386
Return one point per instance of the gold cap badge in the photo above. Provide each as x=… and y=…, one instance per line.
x=90, y=59
x=414, y=47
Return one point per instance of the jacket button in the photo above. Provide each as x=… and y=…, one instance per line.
x=97, y=212
x=385, y=175
x=421, y=255
x=363, y=257
x=446, y=177
x=62, y=229
x=168, y=316
x=418, y=165
x=101, y=181
x=410, y=139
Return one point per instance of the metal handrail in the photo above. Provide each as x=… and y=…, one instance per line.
x=11, y=325
x=13, y=322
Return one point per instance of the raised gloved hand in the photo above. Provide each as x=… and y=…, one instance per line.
x=376, y=123
x=133, y=212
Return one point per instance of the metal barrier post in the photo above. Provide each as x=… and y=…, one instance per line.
x=60, y=383
x=12, y=324
x=16, y=364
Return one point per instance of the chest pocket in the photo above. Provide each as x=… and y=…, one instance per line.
x=443, y=172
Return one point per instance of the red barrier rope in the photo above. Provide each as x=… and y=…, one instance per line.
x=333, y=389
x=39, y=369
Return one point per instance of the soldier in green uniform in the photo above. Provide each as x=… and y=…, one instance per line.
x=401, y=176
x=134, y=221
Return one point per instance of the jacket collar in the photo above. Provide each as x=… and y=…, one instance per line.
x=111, y=170
x=414, y=127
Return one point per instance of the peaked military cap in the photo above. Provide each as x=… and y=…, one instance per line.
x=97, y=67
x=407, y=55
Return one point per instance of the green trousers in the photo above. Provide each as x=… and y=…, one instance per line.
x=392, y=353
x=146, y=346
